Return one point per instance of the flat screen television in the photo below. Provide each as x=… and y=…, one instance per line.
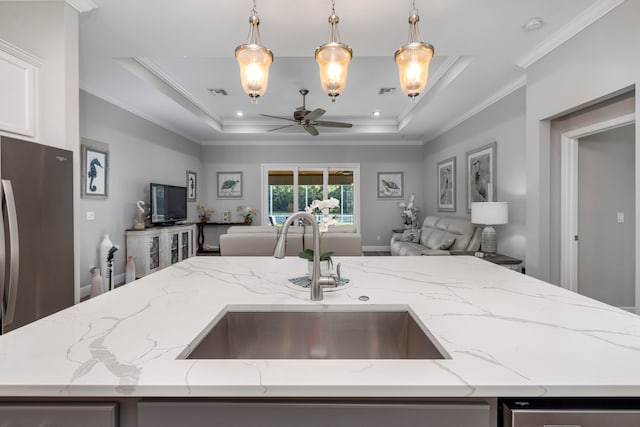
x=168, y=204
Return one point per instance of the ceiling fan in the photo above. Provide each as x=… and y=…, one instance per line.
x=307, y=119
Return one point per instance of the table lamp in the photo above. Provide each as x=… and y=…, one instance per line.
x=489, y=214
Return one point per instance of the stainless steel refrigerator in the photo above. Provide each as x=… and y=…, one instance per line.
x=36, y=232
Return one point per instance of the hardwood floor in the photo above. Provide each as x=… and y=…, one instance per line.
x=371, y=253
x=376, y=253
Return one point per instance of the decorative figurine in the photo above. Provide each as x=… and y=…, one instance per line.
x=138, y=222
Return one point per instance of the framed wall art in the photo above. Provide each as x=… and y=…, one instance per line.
x=481, y=175
x=192, y=186
x=229, y=185
x=95, y=172
x=390, y=185
x=447, y=185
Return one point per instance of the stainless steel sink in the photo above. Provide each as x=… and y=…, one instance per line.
x=316, y=334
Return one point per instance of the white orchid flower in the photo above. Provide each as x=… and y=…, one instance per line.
x=325, y=223
x=324, y=206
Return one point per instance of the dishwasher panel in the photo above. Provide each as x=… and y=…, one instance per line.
x=569, y=412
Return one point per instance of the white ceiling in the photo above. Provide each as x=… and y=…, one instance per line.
x=157, y=58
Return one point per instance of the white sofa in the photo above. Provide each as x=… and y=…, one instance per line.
x=343, y=240
x=438, y=236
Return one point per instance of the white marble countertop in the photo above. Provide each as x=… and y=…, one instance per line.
x=507, y=335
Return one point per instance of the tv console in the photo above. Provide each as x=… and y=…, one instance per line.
x=157, y=247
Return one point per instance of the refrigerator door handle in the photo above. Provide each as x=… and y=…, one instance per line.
x=14, y=252
x=3, y=285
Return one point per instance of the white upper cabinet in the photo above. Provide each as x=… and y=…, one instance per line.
x=18, y=88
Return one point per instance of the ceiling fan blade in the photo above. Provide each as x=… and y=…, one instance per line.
x=333, y=124
x=315, y=114
x=278, y=128
x=312, y=130
x=278, y=117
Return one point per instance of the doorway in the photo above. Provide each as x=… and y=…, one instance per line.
x=598, y=211
x=606, y=216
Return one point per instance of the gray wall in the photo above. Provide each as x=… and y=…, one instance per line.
x=504, y=123
x=139, y=153
x=601, y=60
x=606, y=261
x=378, y=217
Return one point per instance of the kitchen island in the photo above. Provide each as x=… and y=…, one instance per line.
x=503, y=334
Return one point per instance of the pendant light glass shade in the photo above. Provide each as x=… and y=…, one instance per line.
x=254, y=60
x=413, y=60
x=333, y=59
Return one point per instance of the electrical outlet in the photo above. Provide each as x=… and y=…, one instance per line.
x=620, y=217
x=378, y=237
x=91, y=216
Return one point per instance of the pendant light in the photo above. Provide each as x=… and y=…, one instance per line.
x=413, y=59
x=254, y=60
x=333, y=59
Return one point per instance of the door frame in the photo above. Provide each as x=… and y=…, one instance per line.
x=569, y=197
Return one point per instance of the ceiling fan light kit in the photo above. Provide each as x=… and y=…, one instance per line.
x=333, y=60
x=254, y=60
x=413, y=59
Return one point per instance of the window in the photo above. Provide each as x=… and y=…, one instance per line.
x=291, y=188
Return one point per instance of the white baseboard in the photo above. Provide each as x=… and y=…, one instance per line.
x=376, y=248
x=85, y=290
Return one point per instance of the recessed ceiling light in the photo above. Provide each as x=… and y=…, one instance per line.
x=533, y=24
x=218, y=92
x=386, y=91
x=377, y=113
x=239, y=113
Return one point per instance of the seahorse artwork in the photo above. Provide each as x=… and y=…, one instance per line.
x=93, y=173
x=192, y=187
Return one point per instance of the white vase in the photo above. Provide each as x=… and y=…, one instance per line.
x=130, y=270
x=105, y=246
x=96, y=282
x=325, y=268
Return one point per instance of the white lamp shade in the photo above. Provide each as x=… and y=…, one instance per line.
x=490, y=213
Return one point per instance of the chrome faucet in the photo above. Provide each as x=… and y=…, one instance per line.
x=317, y=282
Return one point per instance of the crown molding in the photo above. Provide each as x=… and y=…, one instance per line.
x=442, y=71
x=128, y=108
x=21, y=54
x=317, y=141
x=151, y=73
x=497, y=96
x=579, y=23
x=82, y=6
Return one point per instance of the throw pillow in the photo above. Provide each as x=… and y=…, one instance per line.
x=412, y=235
x=446, y=244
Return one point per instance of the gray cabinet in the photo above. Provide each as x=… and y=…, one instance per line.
x=209, y=413
x=155, y=248
x=58, y=414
